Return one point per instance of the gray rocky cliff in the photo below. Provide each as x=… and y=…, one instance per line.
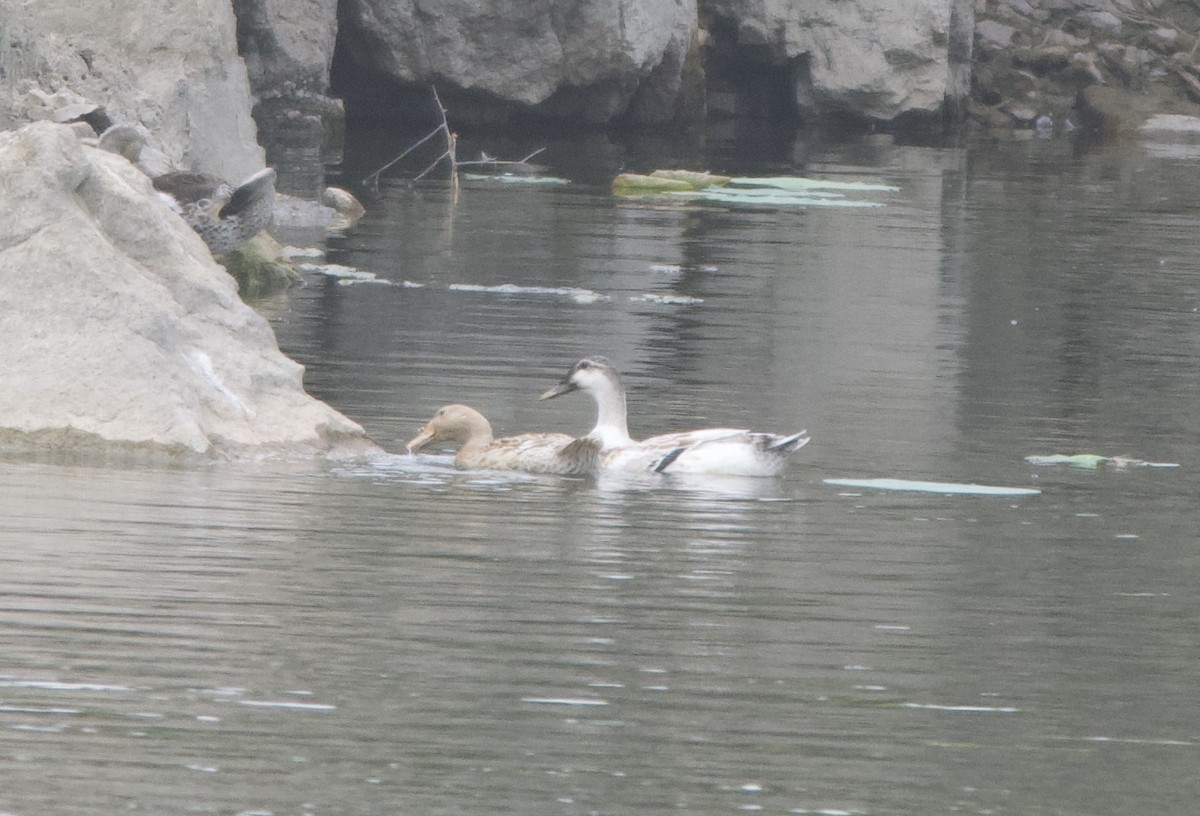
x=173, y=65
x=596, y=61
x=169, y=65
x=871, y=59
x=287, y=45
x=584, y=60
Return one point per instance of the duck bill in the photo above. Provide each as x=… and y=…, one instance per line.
x=419, y=441
x=563, y=387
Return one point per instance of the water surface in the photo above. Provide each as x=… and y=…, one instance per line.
x=396, y=636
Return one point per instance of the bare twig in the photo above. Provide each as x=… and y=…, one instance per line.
x=451, y=139
x=486, y=159
x=450, y=153
x=373, y=179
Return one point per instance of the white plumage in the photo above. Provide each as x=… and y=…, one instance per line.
x=714, y=451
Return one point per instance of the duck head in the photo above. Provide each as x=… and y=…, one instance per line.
x=453, y=423
x=592, y=375
x=598, y=378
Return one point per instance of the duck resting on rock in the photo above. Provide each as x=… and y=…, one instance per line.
x=470, y=431
x=708, y=451
x=224, y=216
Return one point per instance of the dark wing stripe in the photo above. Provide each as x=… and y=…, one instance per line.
x=666, y=461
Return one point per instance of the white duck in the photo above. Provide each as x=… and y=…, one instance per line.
x=531, y=452
x=712, y=451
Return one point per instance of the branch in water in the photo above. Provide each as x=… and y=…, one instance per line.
x=450, y=153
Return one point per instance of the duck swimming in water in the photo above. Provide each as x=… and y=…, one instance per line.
x=710, y=451
x=531, y=452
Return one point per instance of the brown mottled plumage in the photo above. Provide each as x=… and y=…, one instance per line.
x=223, y=216
x=531, y=452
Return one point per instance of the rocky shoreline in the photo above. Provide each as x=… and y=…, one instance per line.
x=1102, y=69
x=193, y=72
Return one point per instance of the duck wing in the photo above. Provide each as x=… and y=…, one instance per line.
x=656, y=453
x=537, y=453
x=183, y=189
x=748, y=453
x=710, y=451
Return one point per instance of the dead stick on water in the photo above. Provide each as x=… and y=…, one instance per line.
x=451, y=140
x=500, y=162
x=451, y=153
x=373, y=179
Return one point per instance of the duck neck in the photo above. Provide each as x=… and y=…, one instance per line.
x=478, y=437
x=611, y=428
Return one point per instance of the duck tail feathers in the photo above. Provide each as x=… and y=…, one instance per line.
x=250, y=192
x=789, y=444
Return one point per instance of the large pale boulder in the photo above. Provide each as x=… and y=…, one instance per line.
x=170, y=65
x=873, y=58
x=585, y=60
x=119, y=330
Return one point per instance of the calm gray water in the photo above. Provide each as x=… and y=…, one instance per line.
x=396, y=637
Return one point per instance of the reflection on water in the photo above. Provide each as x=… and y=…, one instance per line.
x=399, y=636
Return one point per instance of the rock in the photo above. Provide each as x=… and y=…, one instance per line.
x=83, y=130
x=1024, y=115
x=1104, y=21
x=1057, y=38
x=1163, y=40
x=287, y=45
x=993, y=35
x=1086, y=68
x=131, y=142
x=991, y=118
x=1126, y=63
x=1191, y=82
x=344, y=201
x=1165, y=127
x=170, y=65
x=121, y=334
x=1044, y=59
x=1112, y=113
x=1021, y=8
x=304, y=214
x=74, y=111
x=583, y=61
x=260, y=267
x=873, y=58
